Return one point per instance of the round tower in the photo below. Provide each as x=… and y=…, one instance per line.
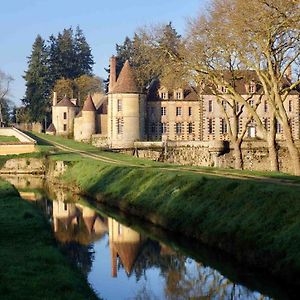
x=88, y=119
x=125, y=110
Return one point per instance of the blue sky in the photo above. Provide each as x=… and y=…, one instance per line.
x=104, y=23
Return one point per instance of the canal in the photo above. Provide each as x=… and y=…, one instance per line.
x=124, y=258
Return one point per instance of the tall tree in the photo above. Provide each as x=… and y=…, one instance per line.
x=69, y=55
x=266, y=39
x=83, y=54
x=37, y=84
x=5, y=81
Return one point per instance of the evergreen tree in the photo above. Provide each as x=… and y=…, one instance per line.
x=84, y=59
x=69, y=55
x=37, y=84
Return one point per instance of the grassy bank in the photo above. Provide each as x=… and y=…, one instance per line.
x=31, y=265
x=7, y=139
x=258, y=223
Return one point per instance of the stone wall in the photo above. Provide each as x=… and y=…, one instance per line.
x=25, y=144
x=207, y=154
x=24, y=166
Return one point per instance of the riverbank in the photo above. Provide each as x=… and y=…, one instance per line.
x=257, y=223
x=31, y=265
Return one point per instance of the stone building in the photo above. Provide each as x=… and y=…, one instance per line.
x=217, y=105
x=63, y=114
x=173, y=115
x=126, y=115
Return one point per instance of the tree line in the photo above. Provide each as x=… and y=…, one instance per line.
x=64, y=63
x=222, y=46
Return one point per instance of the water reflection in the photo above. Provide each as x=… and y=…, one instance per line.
x=140, y=268
x=121, y=262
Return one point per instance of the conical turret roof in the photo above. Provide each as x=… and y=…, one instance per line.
x=65, y=102
x=126, y=81
x=89, y=104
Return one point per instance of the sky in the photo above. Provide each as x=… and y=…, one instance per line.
x=104, y=24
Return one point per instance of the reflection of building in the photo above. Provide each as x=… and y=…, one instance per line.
x=64, y=214
x=76, y=223
x=124, y=243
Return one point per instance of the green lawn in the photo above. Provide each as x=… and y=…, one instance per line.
x=255, y=222
x=31, y=265
x=122, y=158
x=7, y=139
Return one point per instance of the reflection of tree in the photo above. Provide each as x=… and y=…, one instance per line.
x=150, y=257
x=199, y=281
x=80, y=255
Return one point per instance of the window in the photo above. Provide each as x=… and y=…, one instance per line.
x=210, y=126
x=65, y=115
x=252, y=88
x=210, y=106
x=65, y=206
x=251, y=102
x=266, y=123
x=164, y=95
x=119, y=229
x=278, y=127
x=265, y=106
x=178, y=111
x=237, y=107
x=163, y=111
x=178, y=95
x=65, y=127
x=163, y=128
x=119, y=126
x=290, y=106
x=190, y=128
x=119, y=105
x=178, y=128
x=224, y=89
x=224, y=104
x=223, y=128
x=190, y=111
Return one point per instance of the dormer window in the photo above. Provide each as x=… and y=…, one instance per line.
x=178, y=94
x=164, y=95
x=252, y=88
x=224, y=89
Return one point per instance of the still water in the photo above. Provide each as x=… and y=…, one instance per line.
x=124, y=258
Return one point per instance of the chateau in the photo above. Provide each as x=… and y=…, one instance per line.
x=125, y=115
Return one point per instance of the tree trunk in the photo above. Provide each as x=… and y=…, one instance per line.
x=237, y=151
x=287, y=131
x=271, y=139
x=294, y=153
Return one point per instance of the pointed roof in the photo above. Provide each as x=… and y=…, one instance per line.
x=51, y=128
x=89, y=104
x=66, y=102
x=126, y=81
x=128, y=253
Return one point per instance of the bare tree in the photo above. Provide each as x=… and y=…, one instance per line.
x=5, y=81
x=267, y=39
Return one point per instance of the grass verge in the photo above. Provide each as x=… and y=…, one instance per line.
x=257, y=223
x=31, y=265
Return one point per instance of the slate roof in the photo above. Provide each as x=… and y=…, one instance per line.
x=126, y=82
x=189, y=93
x=65, y=102
x=51, y=128
x=89, y=104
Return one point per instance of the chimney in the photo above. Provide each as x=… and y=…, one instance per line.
x=113, y=74
x=54, y=101
x=289, y=73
